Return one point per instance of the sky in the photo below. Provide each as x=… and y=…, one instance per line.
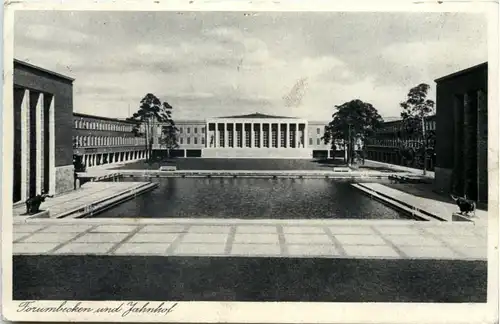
x=209, y=64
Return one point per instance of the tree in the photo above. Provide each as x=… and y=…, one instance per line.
x=169, y=132
x=353, y=120
x=416, y=109
x=151, y=113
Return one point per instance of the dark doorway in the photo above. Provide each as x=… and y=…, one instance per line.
x=32, y=142
x=46, y=139
x=16, y=181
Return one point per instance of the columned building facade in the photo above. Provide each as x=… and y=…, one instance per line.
x=256, y=135
x=42, y=107
x=249, y=136
x=102, y=140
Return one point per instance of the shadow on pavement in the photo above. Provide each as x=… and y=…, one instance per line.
x=247, y=279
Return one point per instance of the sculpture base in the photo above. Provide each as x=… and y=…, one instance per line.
x=40, y=214
x=457, y=217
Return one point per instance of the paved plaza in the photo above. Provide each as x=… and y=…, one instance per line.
x=378, y=239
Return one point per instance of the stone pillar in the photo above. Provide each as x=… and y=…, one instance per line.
x=261, y=135
x=216, y=139
x=40, y=109
x=207, y=129
x=185, y=153
x=235, y=143
x=305, y=140
x=226, y=137
x=25, y=145
x=482, y=146
x=278, y=136
x=296, y=135
x=287, y=134
x=252, y=135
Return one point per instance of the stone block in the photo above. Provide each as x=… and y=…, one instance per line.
x=457, y=217
x=64, y=178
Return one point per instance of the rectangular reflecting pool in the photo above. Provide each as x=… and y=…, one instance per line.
x=252, y=198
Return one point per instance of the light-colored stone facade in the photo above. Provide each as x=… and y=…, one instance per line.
x=251, y=136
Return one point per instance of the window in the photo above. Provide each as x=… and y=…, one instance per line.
x=256, y=141
x=230, y=139
x=203, y=140
x=195, y=140
x=265, y=139
x=196, y=130
x=282, y=138
x=203, y=130
x=182, y=140
x=188, y=130
x=273, y=139
x=318, y=142
x=310, y=141
x=180, y=130
x=188, y=141
x=318, y=130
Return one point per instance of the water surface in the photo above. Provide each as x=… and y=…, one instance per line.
x=252, y=198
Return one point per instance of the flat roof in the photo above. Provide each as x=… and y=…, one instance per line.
x=34, y=67
x=461, y=72
x=75, y=114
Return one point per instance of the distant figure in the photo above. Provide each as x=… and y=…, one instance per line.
x=466, y=206
x=33, y=203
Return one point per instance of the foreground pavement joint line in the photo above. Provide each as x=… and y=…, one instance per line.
x=76, y=237
x=125, y=239
x=28, y=235
x=173, y=246
x=390, y=243
x=335, y=241
x=230, y=240
x=438, y=238
x=282, y=240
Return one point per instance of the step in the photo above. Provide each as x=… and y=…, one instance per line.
x=394, y=203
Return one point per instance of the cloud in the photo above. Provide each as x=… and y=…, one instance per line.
x=224, y=63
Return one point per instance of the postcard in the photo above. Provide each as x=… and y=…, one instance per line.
x=250, y=162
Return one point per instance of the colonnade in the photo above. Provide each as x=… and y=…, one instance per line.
x=256, y=135
x=95, y=159
x=34, y=144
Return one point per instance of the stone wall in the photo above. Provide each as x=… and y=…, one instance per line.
x=64, y=178
x=443, y=180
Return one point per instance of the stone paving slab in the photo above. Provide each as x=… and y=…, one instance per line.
x=233, y=237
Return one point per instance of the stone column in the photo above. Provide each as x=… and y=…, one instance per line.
x=40, y=110
x=25, y=145
x=287, y=134
x=207, y=124
x=305, y=141
x=278, y=136
x=235, y=144
x=296, y=135
x=216, y=139
x=226, y=136
x=261, y=135
x=252, y=136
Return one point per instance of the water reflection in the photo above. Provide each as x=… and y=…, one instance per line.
x=252, y=198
